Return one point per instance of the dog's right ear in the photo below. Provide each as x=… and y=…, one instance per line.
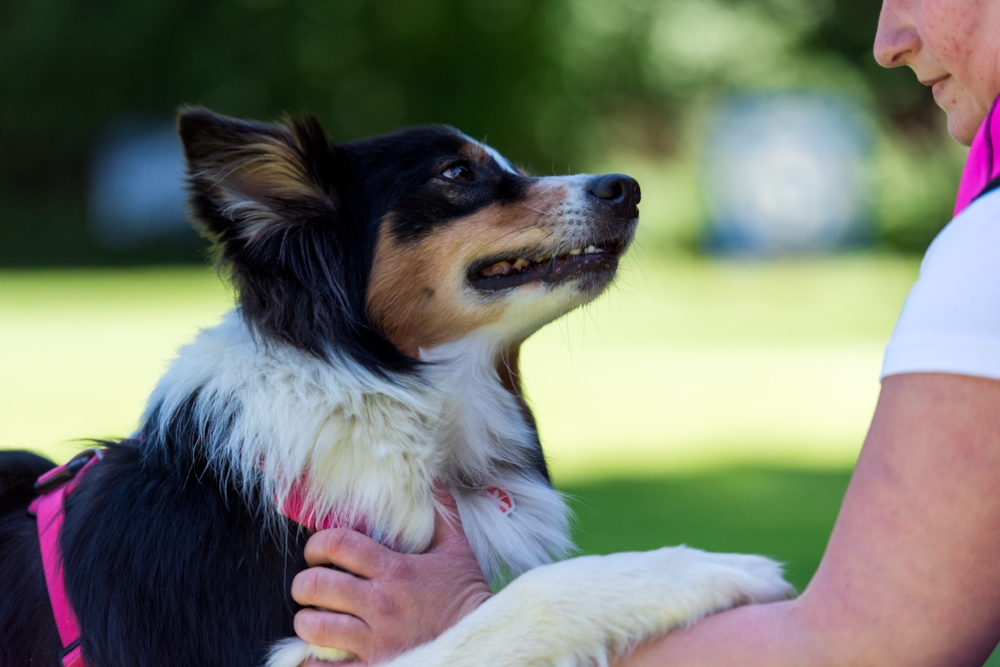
x=249, y=181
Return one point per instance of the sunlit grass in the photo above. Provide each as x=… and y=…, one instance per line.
x=82, y=349
x=782, y=512
x=684, y=363
x=692, y=363
x=714, y=403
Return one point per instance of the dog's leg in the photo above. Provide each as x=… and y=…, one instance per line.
x=586, y=610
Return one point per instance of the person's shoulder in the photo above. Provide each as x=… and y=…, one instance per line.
x=973, y=236
x=951, y=320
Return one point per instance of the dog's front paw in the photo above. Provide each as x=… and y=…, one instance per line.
x=584, y=610
x=737, y=578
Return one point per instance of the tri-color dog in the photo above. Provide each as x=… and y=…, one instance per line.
x=384, y=289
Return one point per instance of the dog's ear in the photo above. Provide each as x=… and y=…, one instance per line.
x=248, y=180
x=269, y=197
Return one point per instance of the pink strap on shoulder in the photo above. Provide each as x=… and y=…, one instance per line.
x=983, y=163
x=48, y=508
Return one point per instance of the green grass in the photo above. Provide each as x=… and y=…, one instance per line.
x=717, y=404
x=685, y=363
x=784, y=513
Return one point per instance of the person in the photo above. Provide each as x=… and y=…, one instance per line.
x=911, y=574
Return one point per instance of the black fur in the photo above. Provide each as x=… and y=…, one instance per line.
x=168, y=561
x=18, y=472
x=28, y=634
x=167, y=565
x=170, y=566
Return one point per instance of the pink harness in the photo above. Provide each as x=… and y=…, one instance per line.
x=294, y=507
x=54, y=486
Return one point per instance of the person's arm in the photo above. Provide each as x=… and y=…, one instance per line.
x=911, y=576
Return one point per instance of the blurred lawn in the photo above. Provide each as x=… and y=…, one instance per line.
x=685, y=363
x=714, y=403
x=785, y=513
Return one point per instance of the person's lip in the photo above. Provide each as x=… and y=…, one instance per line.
x=935, y=84
x=931, y=82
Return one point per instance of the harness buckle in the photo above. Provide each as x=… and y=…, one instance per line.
x=59, y=476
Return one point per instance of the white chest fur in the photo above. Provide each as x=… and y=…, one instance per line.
x=370, y=446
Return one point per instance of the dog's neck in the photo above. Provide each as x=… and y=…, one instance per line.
x=358, y=446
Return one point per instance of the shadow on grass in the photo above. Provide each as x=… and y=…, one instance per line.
x=786, y=514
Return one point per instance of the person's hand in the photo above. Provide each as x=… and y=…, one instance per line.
x=384, y=602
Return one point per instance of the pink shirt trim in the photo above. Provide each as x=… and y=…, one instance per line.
x=983, y=163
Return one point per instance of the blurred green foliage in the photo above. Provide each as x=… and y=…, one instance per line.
x=556, y=84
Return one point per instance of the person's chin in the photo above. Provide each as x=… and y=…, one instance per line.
x=962, y=128
x=964, y=119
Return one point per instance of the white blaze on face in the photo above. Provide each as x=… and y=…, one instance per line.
x=495, y=154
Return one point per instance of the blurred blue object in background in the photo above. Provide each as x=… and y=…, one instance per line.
x=787, y=173
x=136, y=193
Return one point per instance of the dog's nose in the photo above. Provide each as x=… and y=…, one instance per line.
x=619, y=191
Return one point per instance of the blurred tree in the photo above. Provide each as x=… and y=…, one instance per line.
x=552, y=83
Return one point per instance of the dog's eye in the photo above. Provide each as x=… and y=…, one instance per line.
x=459, y=172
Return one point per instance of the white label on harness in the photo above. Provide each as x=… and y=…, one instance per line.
x=504, y=501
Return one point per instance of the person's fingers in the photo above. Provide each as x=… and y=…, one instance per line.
x=324, y=628
x=448, y=532
x=348, y=550
x=329, y=589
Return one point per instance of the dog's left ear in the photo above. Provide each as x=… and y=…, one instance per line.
x=251, y=180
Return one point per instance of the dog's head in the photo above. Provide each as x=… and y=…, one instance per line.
x=385, y=247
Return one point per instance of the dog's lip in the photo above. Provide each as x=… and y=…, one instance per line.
x=547, y=268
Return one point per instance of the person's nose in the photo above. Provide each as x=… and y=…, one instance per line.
x=896, y=41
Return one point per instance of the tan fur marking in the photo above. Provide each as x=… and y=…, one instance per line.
x=418, y=294
x=267, y=168
x=252, y=176
x=278, y=169
x=475, y=153
x=507, y=369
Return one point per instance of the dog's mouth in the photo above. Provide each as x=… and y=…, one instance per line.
x=499, y=273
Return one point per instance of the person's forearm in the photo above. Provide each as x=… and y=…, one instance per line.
x=909, y=578
x=769, y=635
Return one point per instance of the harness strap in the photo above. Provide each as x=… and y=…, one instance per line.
x=55, y=486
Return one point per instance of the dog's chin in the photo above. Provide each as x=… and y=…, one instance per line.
x=591, y=283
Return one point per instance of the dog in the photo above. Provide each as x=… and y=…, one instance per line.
x=384, y=288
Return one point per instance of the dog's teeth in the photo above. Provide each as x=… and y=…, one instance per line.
x=575, y=251
x=591, y=250
x=521, y=264
x=498, y=269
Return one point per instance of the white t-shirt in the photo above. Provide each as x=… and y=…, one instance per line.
x=951, y=320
